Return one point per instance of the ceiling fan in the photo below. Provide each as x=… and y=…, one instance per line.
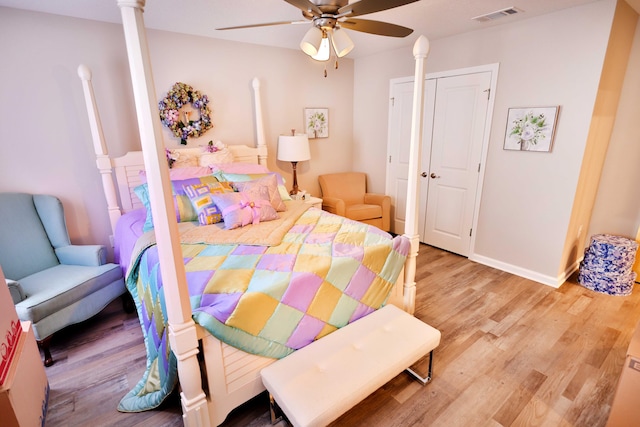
x=329, y=17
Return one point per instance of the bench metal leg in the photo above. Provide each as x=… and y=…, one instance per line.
x=274, y=410
x=417, y=376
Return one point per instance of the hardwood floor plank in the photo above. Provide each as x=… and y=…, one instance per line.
x=515, y=403
x=513, y=353
x=539, y=413
x=424, y=407
x=583, y=373
x=603, y=347
x=476, y=404
x=580, y=305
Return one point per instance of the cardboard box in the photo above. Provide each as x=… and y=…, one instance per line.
x=24, y=394
x=9, y=329
x=625, y=410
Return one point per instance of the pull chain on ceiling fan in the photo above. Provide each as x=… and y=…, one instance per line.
x=329, y=18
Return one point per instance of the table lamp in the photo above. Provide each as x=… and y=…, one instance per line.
x=293, y=148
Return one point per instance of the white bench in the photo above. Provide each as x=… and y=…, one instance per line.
x=316, y=384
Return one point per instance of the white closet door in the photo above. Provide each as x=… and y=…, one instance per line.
x=400, y=110
x=456, y=117
x=459, y=117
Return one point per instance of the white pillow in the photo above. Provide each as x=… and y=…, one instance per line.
x=202, y=156
x=221, y=156
x=186, y=157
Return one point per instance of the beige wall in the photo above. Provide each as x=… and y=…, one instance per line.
x=527, y=197
x=45, y=141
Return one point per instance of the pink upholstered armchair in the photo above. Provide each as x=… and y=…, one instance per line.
x=345, y=194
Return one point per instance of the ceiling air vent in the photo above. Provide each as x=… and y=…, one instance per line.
x=497, y=14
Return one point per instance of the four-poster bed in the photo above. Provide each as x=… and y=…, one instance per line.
x=214, y=377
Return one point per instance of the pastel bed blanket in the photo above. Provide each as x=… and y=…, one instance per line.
x=267, y=299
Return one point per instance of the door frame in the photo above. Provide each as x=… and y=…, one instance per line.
x=493, y=69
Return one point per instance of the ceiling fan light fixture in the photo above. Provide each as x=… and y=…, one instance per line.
x=311, y=42
x=328, y=16
x=324, y=52
x=342, y=43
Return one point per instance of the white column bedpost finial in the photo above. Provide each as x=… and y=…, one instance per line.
x=182, y=330
x=421, y=47
x=261, y=141
x=99, y=146
x=420, y=52
x=136, y=4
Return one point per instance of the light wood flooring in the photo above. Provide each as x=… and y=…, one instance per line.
x=513, y=353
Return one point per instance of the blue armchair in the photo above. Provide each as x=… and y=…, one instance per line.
x=53, y=283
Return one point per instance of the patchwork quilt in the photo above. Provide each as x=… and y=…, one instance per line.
x=268, y=300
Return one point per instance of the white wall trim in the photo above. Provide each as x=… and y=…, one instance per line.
x=554, y=282
x=462, y=71
x=569, y=271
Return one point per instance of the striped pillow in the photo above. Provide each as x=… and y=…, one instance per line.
x=185, y=211
x=201, y=197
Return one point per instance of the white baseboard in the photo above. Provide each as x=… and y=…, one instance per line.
x=569, y=271
x=554, y=282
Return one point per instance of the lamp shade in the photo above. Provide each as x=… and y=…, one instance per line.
x=293, y=148
x=311, y=41
x=342, y=43
x=325, y=50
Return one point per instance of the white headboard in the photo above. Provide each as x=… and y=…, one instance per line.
x=127, y=171
x=127, y=168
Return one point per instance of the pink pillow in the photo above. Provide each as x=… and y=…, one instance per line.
x=176, y=174
x=244, y=208
x=239, y=168
x=271, y=184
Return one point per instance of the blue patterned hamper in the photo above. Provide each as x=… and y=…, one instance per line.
x=607, y=265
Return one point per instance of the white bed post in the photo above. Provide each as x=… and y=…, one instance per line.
x=420, y=52
x=182, y=330
x=261, y=140
x=100, y=147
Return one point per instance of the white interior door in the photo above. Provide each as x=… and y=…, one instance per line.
x=457, y=115
x=400, y=110
x=459, y=119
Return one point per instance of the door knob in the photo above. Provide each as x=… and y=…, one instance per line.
x=434, y=176
x=423, y=174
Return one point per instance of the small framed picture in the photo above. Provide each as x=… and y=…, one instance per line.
x=316, y=122
x=531, y=129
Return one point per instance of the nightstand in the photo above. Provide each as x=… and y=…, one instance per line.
x=316, y=202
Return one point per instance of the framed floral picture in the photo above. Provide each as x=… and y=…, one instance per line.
x=316, y=122
x=531, y=129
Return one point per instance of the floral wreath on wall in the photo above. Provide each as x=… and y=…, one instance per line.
x=180, y=95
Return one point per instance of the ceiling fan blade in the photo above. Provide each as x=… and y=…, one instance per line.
x=376, y=27
x=305, y=6
x=363, y=7
x=263, y=25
